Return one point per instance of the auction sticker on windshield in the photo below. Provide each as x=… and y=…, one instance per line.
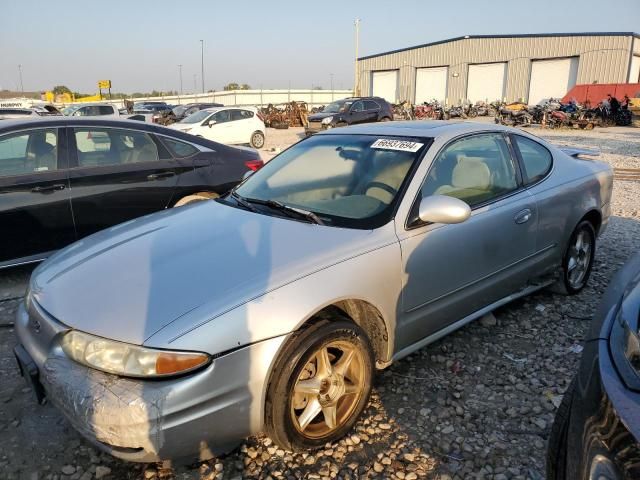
x=400, y=145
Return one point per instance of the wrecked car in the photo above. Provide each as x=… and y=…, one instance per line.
x=270, y=309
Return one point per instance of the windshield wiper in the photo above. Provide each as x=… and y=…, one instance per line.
x=242, y=202
x=298, y=212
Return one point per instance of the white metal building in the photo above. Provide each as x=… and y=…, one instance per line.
x=528, y=67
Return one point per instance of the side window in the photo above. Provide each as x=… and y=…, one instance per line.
x=105, y=110
x=475, y=169
x=179, y=149
x=358, y=106
x=371, y=105
x=28, y=152
x=536, y=159
x=98, y=147
x=236, y=115
x=221, y=117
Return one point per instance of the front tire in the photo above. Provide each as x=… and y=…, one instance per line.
x=557, y=447
x=257, y=139
x=578, y=258
x=320, y=385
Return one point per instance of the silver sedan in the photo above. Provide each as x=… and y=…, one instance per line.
x=270, y=309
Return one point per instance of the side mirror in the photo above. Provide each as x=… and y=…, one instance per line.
x=443, y=209
x=211, y=123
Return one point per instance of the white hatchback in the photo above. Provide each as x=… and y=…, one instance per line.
x=228, y=125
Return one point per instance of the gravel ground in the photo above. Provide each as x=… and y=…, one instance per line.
x=477, y=404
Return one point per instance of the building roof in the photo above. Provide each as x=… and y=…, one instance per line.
x=521, y=35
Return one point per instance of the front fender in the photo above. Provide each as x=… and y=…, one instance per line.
x=373, y=277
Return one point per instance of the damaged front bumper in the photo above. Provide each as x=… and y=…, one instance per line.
x=197, y=415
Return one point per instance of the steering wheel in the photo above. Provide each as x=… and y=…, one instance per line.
x=383, y=186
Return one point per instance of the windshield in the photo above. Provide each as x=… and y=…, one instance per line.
x=70, y=110
x=196, y=117
x=179, y=110
x=350, y=181
x=337, y=107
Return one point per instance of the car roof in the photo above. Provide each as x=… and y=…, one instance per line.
x=422, y=128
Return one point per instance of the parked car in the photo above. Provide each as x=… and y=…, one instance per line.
x=228, y=125
x=350, y=111
x=107, y=110
x=105, y=172
x=596, y=433
x=35, y=112
x=183, y=111
x=270, y=308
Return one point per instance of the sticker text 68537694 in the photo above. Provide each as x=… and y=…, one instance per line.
x=400, y=145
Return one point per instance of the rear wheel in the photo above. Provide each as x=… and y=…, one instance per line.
x=320, y=385
x=257, y=139
x=578, y=259
x=385, y=119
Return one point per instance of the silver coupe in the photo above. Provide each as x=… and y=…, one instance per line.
x=270, y=309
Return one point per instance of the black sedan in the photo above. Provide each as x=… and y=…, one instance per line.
x=596, y=433
x=64, y=178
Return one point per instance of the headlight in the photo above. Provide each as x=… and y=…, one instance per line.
x=128, y=360
x=625, y=339
x=326, y=120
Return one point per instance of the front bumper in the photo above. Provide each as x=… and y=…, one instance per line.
x=315, y=127
x=194, y=416
x=603, y=438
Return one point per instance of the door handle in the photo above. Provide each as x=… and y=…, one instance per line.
x=48, y=188
x=160, y=176
x=523, y=216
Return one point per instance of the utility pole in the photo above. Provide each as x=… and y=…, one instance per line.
x=195, y=83
x=202, y=63
x=356, y=86
x=20, y=74
x=331, y=77
x=180, y=70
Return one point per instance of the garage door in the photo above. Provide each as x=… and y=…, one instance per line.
x=552, y=78
x=634, y=73
x=486, y=82
x=385, y=85
x=431, y=83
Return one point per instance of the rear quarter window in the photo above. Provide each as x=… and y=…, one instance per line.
x=179, y=149
x=536, y=159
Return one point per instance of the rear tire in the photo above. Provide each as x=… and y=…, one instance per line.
x=578, y=259
x=320, y=385
x=557, y=446
x=257, y=139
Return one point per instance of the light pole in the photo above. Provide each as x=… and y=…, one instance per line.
x=20, y=74
x=195, y=83
x=180, y=70
x=202, y=63
x=356, y=87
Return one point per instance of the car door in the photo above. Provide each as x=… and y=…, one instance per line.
x=218, y=127
x=452, y=271
x=241, y=127
x=35, y=211
x=117, y=174
x=371, y=111
x=356, y=113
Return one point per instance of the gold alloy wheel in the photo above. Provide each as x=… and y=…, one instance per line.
x=328, y=389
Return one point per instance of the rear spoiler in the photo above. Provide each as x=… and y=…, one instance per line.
x=576, y=152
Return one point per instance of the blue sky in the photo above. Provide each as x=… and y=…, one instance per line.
x=138, y=44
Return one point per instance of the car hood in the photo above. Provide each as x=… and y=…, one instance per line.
x=129, y=281
x=320, y=115
x=183, y=126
